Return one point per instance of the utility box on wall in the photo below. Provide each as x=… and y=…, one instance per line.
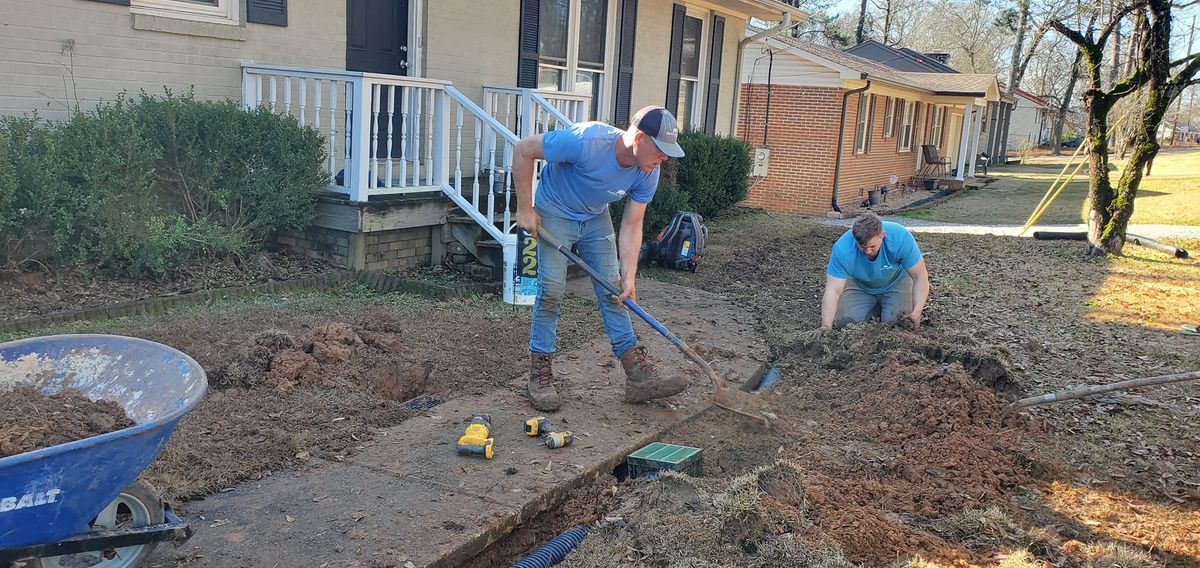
x=761, y=157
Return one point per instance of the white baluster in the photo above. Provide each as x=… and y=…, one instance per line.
x=376, y=89
x=429, y=116
x=491, y=169
x=303, y=99
x=458, y=124
x=508, y=188
x=391, y=115
x=348, y=115
x=333, y=135
x=478, y=150
x=418, y=121
x=287, y=95
x=404, y=129
x=272, y=103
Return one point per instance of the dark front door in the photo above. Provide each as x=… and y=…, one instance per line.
x=377, y=36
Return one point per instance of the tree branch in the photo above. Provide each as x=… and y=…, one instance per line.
x=1075, y=37
x=1117, y=17
x=1184, y=60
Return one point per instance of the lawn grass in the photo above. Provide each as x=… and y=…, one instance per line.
x=1161, y=199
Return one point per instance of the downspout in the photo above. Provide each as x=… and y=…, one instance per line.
x=837, y=164
x=737, y=72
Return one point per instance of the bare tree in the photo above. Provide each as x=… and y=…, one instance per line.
x=1164, y=79
x=862, y=24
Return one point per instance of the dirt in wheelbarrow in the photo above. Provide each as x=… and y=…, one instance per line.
x=30, y=420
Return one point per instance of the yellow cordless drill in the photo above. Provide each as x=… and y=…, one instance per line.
x=476, y=441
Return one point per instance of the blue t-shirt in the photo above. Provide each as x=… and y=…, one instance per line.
x=582, y=176
x=897, y=254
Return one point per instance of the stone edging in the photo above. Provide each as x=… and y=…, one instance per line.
x=377, y=281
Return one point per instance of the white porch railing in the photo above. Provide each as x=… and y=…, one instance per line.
x=388, y=134
x=549, y=109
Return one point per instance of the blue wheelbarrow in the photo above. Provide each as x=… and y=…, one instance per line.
x=81, y=503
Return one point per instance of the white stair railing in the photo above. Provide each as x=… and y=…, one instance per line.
x=379, y=129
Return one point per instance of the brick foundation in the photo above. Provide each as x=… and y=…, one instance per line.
x=380, y=250
x=330, y=245
x=399, y=248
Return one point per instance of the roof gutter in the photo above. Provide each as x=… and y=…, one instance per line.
x=737, y=74
x=837, y=165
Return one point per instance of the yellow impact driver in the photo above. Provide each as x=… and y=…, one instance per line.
x=476, y=441
x=538, y=426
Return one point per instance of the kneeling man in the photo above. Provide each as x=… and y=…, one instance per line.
x=875, y=270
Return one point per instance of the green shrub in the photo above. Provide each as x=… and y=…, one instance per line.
x=147, y=186
x=711, y=178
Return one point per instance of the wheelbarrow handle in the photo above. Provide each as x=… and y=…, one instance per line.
x=546, y=237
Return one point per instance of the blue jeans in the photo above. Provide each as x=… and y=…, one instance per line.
x=598, y=247
x=857, y=304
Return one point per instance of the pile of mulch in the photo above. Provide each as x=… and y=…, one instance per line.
x=30, y=420
x=41, y=293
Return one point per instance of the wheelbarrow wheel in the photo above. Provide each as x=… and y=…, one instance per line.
x=138, y=505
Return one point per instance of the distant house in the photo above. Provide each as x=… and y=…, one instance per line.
x=1030, y=121
x=835, y=125
x=996, y=115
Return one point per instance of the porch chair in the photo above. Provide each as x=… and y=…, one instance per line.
x=932, y=165
x=981, y=162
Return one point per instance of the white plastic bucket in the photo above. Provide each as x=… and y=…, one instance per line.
x=520, y=269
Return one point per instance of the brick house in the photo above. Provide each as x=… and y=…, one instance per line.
x=836, y=125
x=419, y=101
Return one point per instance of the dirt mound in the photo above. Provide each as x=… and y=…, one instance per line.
x=886, y=442
x=329, y=354
x=30, y=420
x=750, y=520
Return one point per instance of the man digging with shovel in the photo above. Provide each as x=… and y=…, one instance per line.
x=588, y=166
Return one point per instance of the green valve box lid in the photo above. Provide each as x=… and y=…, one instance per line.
x=665, y=456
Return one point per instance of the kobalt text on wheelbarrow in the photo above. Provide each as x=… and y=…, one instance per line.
x=81, y=503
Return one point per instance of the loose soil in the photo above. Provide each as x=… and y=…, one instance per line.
x=890, y=449
x=41, y=293
x=30, y=420
x=314, y=375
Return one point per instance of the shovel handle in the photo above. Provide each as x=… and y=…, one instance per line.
x=545, y=237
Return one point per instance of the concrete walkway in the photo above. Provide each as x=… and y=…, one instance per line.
x=408, y=499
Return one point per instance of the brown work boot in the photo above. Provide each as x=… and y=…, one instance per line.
x=541, y=390
x=642, y=382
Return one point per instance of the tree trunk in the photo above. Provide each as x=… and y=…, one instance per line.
x=862, y=22
x=1064, y=106
x=1014, y=75
x=887, y=21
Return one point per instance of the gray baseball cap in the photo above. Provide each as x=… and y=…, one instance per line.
x=660, y=124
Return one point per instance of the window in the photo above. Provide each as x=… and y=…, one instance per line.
x=862, y=128
x=573, y=51
x=935, y=131
x=209, y=11
x=906, y=125
x=689, y=77
x=889, y=118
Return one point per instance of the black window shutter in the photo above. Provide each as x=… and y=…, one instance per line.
x=675, y=65
x=527, y=45
x=628, y=32
x=712, y=97
x=273, y=12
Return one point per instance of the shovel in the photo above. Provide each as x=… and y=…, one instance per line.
x=724, y=396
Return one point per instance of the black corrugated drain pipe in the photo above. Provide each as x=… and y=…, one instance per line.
x=837, y=164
